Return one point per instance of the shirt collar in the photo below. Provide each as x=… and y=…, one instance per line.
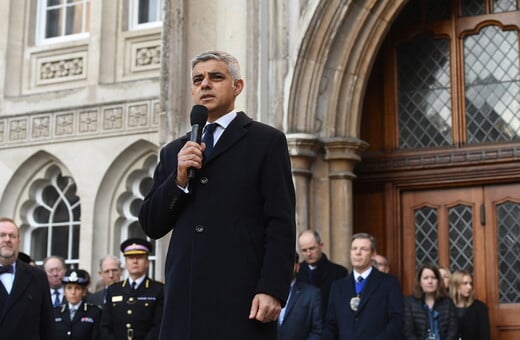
x=138, y=281
x=364, y=274
x=226, y=119
x=76, y=306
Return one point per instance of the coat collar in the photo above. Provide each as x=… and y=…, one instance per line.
x=22, y=278
x=373, y=281
x=235, y=131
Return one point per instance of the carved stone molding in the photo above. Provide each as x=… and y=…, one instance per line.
x=59, y=68
x=111, y=119
x=142, y=55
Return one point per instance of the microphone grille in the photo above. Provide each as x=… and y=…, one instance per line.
x=199, y=115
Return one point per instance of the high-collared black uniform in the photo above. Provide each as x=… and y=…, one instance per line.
x=133, y=314
x=83, y=326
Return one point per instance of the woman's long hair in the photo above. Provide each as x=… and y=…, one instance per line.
x=457, y=278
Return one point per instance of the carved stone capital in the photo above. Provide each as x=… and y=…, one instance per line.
x=303, y=150
x=343, y=154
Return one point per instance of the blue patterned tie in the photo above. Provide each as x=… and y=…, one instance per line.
x=208, y=138
x=56, y=298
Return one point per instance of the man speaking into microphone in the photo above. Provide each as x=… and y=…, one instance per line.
x=230, y=202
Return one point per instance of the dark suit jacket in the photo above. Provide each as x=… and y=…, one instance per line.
x=140, y=310
x=97, y=298
x=233, y=234
x=325, y=273
x=84, y=325
x=28, y=312
x=379, y=315
x=302, y=319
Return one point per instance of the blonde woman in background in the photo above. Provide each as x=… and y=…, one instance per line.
x=445, y=274
x=472, y=313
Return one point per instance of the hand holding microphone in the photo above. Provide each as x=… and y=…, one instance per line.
x=198, y=118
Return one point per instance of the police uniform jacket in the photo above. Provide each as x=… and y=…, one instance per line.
x=133, y=314
x=83, y=326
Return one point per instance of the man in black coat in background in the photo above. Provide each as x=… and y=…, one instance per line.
x=300, y=319
x=231, y=253
x=316, y=268
x=25, y=302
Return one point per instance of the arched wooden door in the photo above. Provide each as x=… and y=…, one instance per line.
x=474, y=228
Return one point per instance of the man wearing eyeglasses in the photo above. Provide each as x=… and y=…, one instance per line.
x=55, y=268
x=316, y=268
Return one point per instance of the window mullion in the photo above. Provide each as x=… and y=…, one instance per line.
x=458, y=105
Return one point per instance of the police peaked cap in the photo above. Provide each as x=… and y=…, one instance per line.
x=78, y=276
x=136, y=246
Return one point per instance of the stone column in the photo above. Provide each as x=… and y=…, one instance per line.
x=302, y=149
x=342, y=154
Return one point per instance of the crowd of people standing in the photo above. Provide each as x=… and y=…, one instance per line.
x=365, y=303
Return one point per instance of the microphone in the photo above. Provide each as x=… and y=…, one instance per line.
x=198, y=118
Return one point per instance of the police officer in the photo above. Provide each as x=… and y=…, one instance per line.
x=76, y=319
x=133, y=309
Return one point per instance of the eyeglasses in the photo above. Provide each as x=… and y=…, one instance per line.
x=309, y=250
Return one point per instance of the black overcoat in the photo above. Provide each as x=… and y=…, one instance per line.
x=379, y=315
x=28, y=313
x=233, y=233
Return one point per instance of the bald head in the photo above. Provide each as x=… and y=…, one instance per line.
x=310, y=246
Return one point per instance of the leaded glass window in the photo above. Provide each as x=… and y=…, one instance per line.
x=508, y=241
x=424, y=93
x=429, y=112
x=53, y=213
x=504, y=6
x=492, y=86
x=426, y=236
x=460, y=229
x=138, y=183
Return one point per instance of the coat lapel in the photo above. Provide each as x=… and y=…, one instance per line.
x=292, y=300
x=235, y=131
x=372, y=282
x=22, y=278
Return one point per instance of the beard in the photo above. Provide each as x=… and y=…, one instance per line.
x=8, y=253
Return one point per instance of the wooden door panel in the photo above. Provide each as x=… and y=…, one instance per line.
x=495, y=217
x=505, y=312
x=442, y=201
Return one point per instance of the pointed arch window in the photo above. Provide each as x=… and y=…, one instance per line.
x=138, y=183
x=53, y=213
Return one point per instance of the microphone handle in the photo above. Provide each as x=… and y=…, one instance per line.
x=196, y=136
